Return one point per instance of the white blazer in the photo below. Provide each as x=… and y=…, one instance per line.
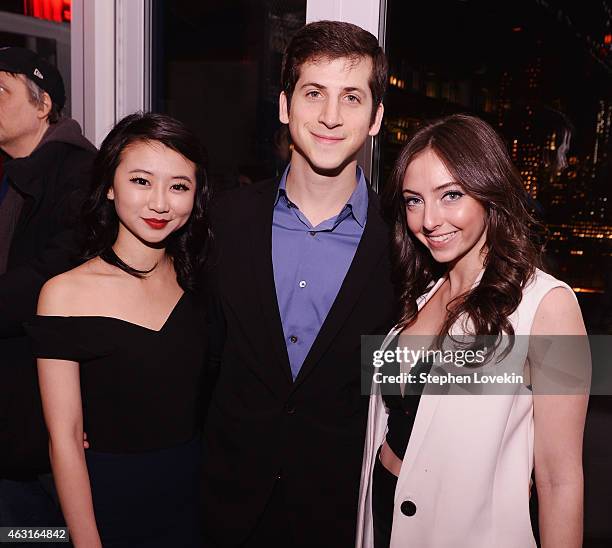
x=468, y=463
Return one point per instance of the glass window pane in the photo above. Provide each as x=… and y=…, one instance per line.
x=216, y=66
x=541, y=74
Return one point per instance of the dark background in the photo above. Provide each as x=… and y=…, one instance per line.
x=538, y=71
x=217, y=67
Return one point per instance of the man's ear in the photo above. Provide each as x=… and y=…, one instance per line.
x=45, y=108
x=283, y=108
x=375, y=127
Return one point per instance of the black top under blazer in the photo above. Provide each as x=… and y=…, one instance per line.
x=261, y=425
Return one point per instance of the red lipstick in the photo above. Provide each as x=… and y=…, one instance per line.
x=157, y=224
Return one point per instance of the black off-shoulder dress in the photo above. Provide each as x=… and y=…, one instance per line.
x=140, y=391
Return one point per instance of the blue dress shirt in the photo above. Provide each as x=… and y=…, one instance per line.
x=310, y=264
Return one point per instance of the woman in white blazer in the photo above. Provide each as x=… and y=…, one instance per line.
x=454, y=470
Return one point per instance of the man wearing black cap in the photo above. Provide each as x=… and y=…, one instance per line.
x=45, y=161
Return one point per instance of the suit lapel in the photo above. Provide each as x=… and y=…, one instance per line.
x=368, y=254
x=261, y=259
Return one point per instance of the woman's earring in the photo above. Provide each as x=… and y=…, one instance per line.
x=110, y=194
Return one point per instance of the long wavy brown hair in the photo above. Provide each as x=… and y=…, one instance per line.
x=478, y=160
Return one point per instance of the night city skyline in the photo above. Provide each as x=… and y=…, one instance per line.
x=541, y=74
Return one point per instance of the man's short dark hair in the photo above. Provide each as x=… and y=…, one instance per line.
x=332, y=40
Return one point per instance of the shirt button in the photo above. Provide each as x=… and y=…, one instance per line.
x=312, y=233
x=293, y=339
x=302, y=284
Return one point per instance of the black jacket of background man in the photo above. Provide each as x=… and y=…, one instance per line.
x=261, y=424
x=51, y=182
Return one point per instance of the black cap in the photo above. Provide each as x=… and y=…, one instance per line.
x=45, y=75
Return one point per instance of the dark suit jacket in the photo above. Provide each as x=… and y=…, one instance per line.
x=261, y=425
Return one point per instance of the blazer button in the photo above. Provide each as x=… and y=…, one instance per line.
x=289, y=409
x=408, y=508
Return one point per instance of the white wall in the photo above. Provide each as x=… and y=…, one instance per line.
x=109, y=45
x=365, y=13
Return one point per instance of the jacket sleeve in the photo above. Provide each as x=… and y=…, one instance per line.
x=20, y=286
x=216, y=327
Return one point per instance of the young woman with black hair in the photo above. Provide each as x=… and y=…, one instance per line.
x=120, y=344
x=454, y=470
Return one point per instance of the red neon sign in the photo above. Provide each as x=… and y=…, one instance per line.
x=59, y=11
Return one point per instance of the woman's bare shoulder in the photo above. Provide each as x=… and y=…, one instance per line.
x=64, y=294
x=558, y=314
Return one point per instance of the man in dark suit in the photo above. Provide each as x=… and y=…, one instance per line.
x=302, y=273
